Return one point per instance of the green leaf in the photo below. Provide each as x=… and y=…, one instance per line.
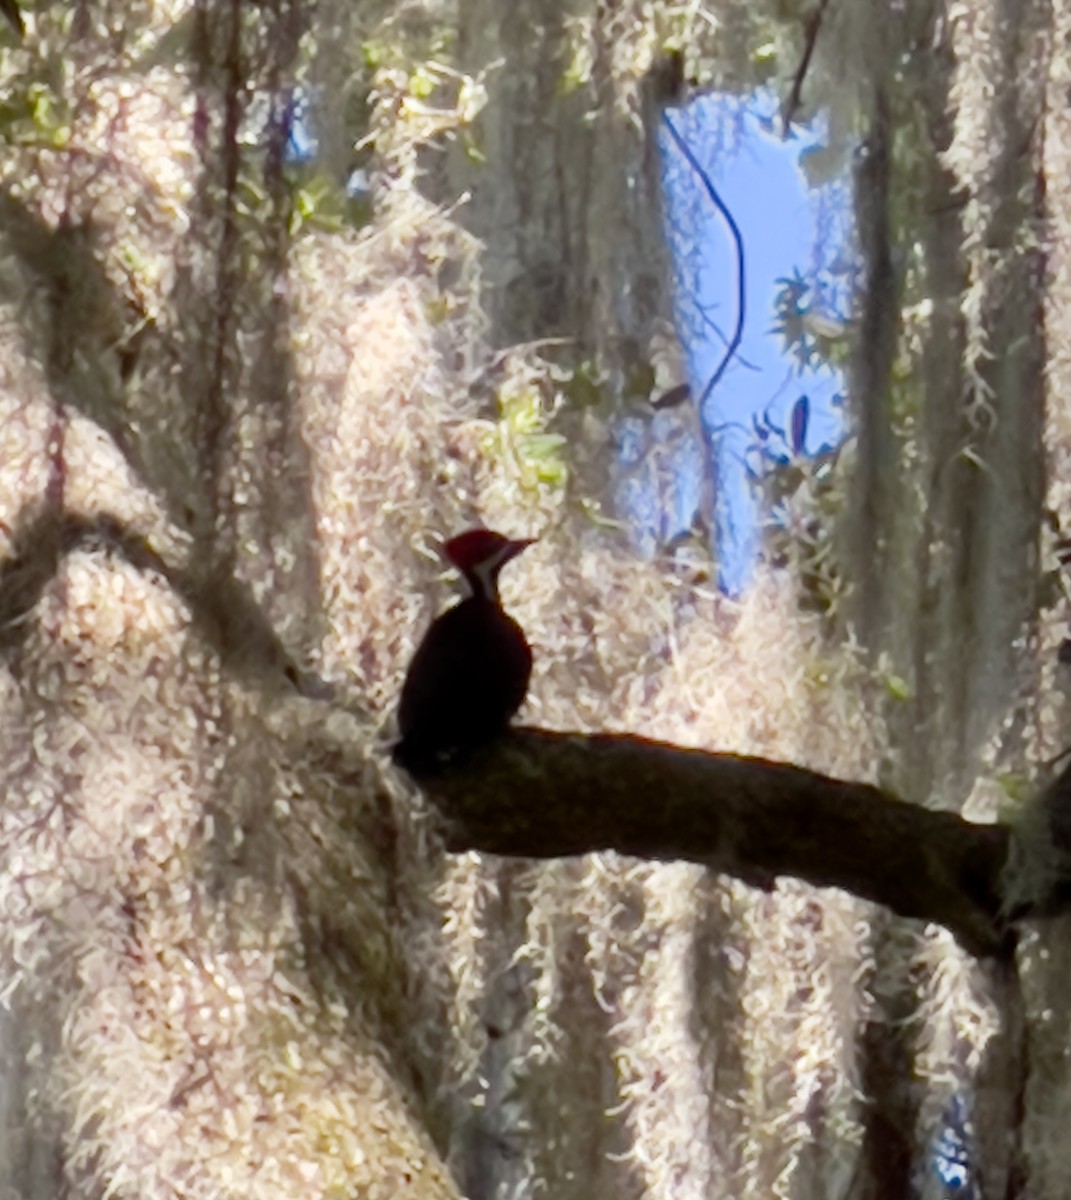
x=1015, y=786
x=374, y=54
x=421, y=84
x=541, y=445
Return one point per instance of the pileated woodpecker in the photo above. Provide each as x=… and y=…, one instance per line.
x=470, y=673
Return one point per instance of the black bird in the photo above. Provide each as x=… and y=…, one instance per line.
x=470, y=673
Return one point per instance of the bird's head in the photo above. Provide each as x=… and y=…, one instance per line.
x=479, y=554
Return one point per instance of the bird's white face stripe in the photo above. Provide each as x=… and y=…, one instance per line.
x=486, y=572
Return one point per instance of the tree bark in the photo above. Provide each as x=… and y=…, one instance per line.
x=541, y=794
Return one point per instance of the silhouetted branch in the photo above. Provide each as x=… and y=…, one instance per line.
x=538, y=794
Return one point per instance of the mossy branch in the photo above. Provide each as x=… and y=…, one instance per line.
x=538, y=794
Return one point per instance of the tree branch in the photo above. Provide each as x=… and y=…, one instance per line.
x=538, y=794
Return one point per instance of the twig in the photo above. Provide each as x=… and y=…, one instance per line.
x=738, y=245
x=814, y=23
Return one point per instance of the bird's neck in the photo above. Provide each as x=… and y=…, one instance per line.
x=483, y=581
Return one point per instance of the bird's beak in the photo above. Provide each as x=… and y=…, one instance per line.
x=517, y=545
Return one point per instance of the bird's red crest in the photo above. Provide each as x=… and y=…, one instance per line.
x=480, y=554
x=475, y=546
